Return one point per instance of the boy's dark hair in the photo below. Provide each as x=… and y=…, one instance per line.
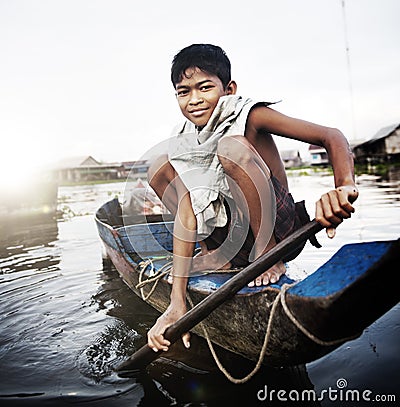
x=209, y=58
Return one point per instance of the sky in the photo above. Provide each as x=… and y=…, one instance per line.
x=92, y=77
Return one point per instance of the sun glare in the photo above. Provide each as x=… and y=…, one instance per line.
x=15, y=173
x=21, y=173
x=26, y=187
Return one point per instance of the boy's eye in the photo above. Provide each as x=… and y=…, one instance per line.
x=205, y=87
x=182, y=92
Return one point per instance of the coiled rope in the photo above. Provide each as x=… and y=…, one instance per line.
x=155, y=278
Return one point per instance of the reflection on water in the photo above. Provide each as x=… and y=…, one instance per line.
x=65, y=322
x=393, y=174
x=28, y=243
x=96, y=361
x=386, y=172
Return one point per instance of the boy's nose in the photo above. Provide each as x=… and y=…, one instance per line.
x=195, y=98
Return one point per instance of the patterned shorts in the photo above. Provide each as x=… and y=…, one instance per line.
x=290, y=216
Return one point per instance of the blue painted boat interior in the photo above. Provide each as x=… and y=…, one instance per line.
x=147, y=238
x=346, y=265
x=350, y=262
x=215, y=280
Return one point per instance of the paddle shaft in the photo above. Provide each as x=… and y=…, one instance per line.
x=141, y=358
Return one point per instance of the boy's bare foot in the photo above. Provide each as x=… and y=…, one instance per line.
x=206, y=260
x=270, y=276
x=210, y=259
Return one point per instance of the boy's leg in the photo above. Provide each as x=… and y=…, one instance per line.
x=249, y=181
x=161, y=176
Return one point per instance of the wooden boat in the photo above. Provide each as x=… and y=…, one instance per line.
x=330, y=306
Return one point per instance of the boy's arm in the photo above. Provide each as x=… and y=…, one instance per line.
x=335, y=205
x=185, y=227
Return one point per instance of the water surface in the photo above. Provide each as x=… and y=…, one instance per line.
x=65, y=320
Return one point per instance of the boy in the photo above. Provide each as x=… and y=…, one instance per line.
x=224, y=169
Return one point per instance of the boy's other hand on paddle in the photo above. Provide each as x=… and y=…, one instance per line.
x=155, y=336
x=334, y=206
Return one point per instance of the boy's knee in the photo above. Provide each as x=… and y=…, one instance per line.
x=234, y=150
x=158, y=166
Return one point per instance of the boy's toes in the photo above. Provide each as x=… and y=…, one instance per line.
x=269, y=277
x=266, y=279
x=276, y=273
x=274, y=278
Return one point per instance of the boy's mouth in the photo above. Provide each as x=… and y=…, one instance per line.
x=198, y=112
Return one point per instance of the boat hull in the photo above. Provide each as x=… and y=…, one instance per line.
x=332, y=315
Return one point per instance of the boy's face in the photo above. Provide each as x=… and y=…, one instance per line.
x=198, y=93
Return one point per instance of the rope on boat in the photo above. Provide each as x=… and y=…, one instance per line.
x=303, y=329
x=164, y=270
x=263, y=348
x=280, y=298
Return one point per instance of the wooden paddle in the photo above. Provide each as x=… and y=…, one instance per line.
x=141, y=358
